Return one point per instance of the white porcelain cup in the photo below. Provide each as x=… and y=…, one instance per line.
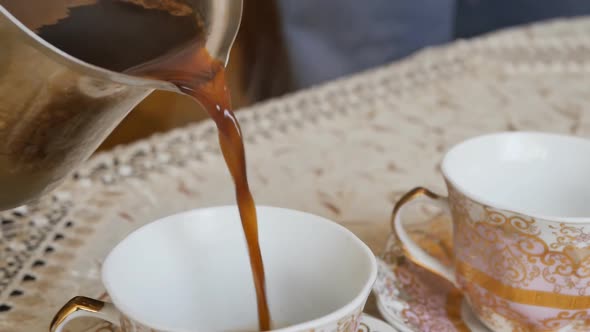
x=190, y=272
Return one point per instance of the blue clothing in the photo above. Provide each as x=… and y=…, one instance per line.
x=330, y=38
x=475, y=17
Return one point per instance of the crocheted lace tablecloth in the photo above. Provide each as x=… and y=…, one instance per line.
x=345, y=150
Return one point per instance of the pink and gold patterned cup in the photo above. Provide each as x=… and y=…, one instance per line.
x=520, y=204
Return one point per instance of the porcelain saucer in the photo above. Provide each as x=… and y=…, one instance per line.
x=371, y=324
x=414, y=300
x=367, y=324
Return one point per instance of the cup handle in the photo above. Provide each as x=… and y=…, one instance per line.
x=81, y=306
x=412, y=250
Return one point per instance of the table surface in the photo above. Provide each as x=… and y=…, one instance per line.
x=345, y=150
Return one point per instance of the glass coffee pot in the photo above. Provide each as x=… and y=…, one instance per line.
x=63, y=86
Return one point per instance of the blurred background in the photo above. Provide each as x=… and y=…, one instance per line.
x=286, y=45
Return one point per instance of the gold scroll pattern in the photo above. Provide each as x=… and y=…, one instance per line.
x=412, y=294
x=518, y=259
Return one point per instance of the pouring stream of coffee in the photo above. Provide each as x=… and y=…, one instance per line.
x=137, y=41
x=196, y=74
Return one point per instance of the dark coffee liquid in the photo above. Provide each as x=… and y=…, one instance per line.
x=113, y=34
x=138, y=40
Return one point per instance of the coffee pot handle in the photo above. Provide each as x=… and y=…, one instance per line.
x=81, y=306
x=411, y=249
